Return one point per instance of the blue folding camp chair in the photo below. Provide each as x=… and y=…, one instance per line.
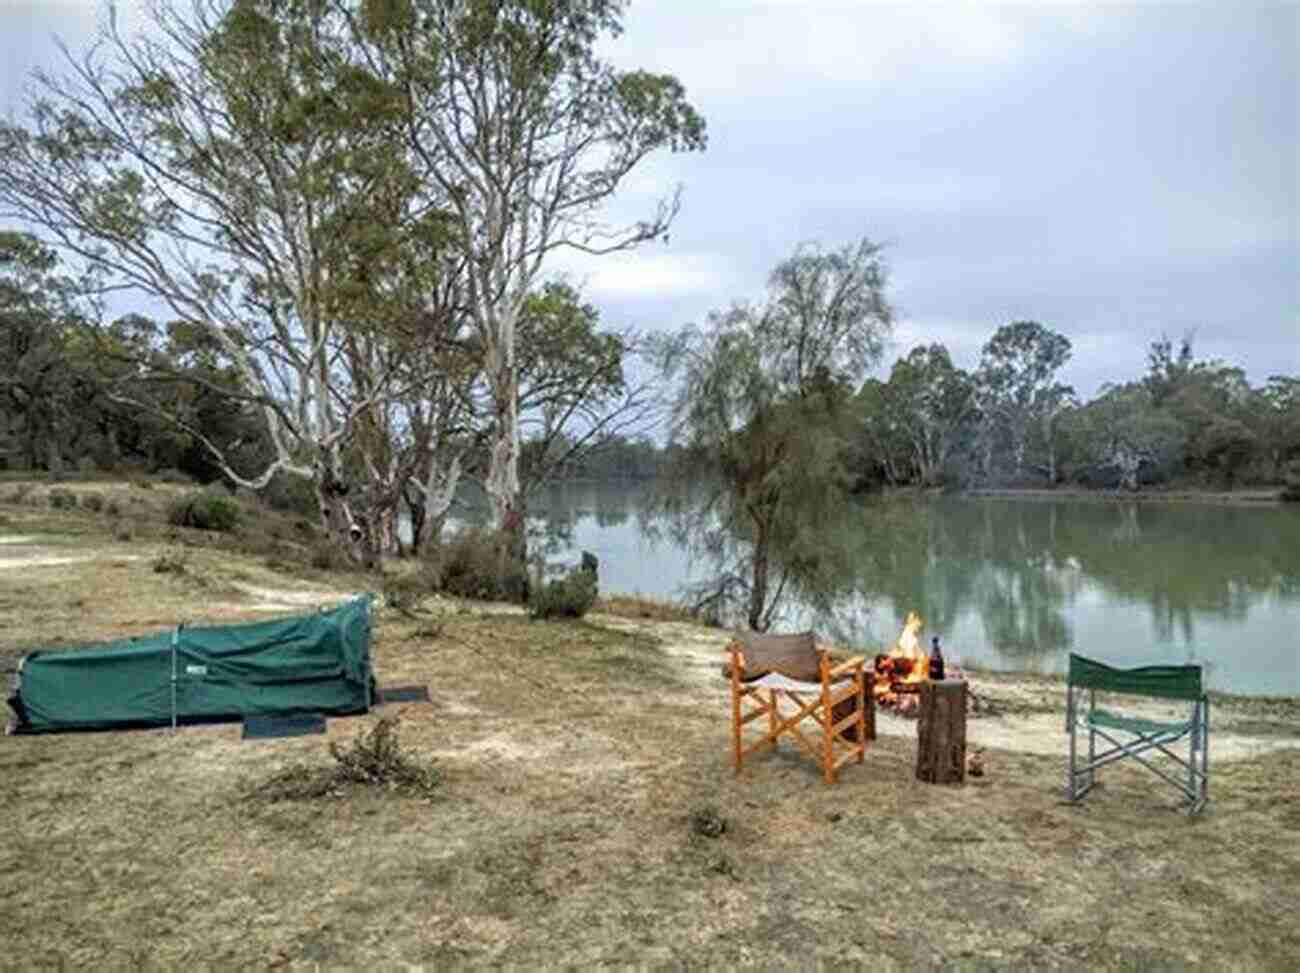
x=1132, y=736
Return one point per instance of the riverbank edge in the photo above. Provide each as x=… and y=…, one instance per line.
x=1271, y=497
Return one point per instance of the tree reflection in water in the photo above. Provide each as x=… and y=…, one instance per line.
x=1020, y=576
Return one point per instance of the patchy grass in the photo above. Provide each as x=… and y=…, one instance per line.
x=638, y=606
x=587, y=813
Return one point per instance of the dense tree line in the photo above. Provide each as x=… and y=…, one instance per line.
x=1010, y=422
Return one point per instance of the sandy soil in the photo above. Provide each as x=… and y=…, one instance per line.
x=1033, y=721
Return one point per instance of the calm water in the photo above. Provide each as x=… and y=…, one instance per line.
x=1013, y=584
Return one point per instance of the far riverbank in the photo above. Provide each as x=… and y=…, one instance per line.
x=1271, y=496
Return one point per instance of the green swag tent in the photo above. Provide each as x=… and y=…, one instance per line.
x=318, y=663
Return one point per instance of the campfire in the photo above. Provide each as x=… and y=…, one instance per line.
x=900, y=672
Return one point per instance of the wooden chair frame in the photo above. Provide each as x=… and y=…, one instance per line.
x=815, y=701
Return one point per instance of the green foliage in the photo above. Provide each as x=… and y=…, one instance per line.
x=61, y=499
x=470, y=567
x=569, y=597
x=1121, y=432
x=93, y=501
x=374, y=758
x=291, y=494
x=205, y=511
x=1021, y=399
x=916, y=423
x=707, y=821
x=1291, y=492
x=764, y=405
x=405, y=591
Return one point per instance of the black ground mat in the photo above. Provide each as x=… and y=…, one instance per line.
x=297, y=725
x=404, y=694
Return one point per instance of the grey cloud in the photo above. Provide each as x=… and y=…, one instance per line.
x=1113, y=171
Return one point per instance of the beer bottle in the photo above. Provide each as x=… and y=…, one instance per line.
x=936, y=659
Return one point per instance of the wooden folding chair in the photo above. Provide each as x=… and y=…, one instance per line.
x=767, y=670
x=1135, y=736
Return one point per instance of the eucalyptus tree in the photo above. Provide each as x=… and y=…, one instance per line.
x=576, y=391
x=514, y=119
x=1275, y=410
x=237, y=167
x=38, y=382
x=933, y=404
x=1020, y=395
x=763, y=404
x=1122, y=429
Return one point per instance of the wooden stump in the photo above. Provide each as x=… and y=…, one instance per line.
x=941, y=732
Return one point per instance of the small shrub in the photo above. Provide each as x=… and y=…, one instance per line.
x=290, y=494
x=122, y=533
x=374, y=758
x=707, y=822
x=143, y=484
x=93, y=502
x=206, y=511
x=468, y=566
x=171, y=561
x=20, y=493
x=113, y=508
x=404, y=591
x=61, y=499
x=326, y=556
x=570, y=597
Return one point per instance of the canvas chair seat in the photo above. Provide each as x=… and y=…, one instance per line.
x=767, y=671
x=1136, y=724
x=774, y=680
x=1136, y=737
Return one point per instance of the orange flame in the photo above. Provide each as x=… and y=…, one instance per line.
x=904, y=665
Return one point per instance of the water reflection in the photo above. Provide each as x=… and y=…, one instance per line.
x=1012, y=584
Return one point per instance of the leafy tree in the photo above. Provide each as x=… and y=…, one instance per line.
x=38, y=383
x=1167, y=371
x=240, y=168
x=515, y=121
x=1275, y=417
x=763, y=403
x=931, y=405
x=1122, y=430
x=1021, y=398
x=1226, y=446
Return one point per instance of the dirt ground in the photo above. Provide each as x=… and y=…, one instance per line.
x=573, y=757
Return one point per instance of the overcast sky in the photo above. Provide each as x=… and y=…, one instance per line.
x=1113, y=171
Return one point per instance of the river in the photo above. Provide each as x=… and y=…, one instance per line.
x=1008, y=584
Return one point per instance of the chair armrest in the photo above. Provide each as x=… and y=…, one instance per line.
x=847, y=666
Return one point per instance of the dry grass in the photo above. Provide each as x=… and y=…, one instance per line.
x=575, y=759
x=639, y=606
